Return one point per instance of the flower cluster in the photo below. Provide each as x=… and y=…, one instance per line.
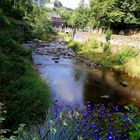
x=95, y=122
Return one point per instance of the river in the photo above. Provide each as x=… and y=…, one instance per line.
x=72, y=82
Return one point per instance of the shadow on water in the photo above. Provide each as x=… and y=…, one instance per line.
x=104, y=86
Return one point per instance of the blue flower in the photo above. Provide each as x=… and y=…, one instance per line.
x=85, y=124
x=116, y=109
x=110, y=137
x=109, y=128
x=117, y=132
x=126, y=124
x=125, y=135
x=132, y=111
x=78, y=122
x=89, y=106
x=102, y=111
x=86, y=134
x=97, y=137
x=93, y=135
x=125, y=116
x=93, y=126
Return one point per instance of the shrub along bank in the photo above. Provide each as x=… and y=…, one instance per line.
x=24, y=94
x=125, y=59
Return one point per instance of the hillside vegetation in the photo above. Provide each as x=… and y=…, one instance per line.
x=24, y=95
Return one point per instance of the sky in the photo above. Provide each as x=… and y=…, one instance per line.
x=71, y=3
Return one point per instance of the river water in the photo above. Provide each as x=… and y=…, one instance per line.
x=71, y=82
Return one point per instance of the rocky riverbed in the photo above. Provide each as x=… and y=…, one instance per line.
x=57, y=50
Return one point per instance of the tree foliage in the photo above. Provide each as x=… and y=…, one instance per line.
x=115, y=13
x=80, y=15
x=20, y=86
x=38, y=20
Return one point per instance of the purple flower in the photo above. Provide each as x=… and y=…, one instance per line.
x=116, y=109
x=89, y=106
x=85, y=124
x=125, y=135
x=86, y=134
x=109, y=128
x=93, y=135
x=102, y=112
x=132, y=111
x=93, y=126
x=110, y=137
x=117, y=132
x=97, y=137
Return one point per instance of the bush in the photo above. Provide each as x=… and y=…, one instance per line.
x=124, y=54
x=108, y=35
x=93, y=43
x=76, y=46
x=22, y=91
x=106, y=48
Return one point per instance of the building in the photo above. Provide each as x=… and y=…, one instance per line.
x=55, y=19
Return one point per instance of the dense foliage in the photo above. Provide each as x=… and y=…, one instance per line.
x=80, y=15
x=21, y=90
x=39, y=23
x=115, y=13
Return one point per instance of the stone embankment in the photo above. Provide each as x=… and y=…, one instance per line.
x=115, y=39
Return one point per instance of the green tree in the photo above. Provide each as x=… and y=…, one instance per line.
x=38, y=20
x=80, y=16
x=115, y=13
x=66, y=15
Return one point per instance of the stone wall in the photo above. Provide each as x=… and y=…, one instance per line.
x=115, y=39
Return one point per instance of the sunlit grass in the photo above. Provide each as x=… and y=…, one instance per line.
x=132, y=67
x=67, y=37
x=125, y=58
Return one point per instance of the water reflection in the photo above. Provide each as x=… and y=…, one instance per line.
x=104, y=86
x=72, y=83
x=64, y=78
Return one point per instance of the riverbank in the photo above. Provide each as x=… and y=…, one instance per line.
x=120, y=58
x=24, y=95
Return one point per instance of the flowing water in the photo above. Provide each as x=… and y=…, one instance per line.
x=71, y=82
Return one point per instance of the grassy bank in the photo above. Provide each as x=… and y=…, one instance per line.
x=23, y=93
x=122, y=58
x=66, y=36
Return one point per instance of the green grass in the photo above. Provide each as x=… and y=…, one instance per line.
x=67, y=37
x=132, y=67
x=24, y=94
x=126, y=58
